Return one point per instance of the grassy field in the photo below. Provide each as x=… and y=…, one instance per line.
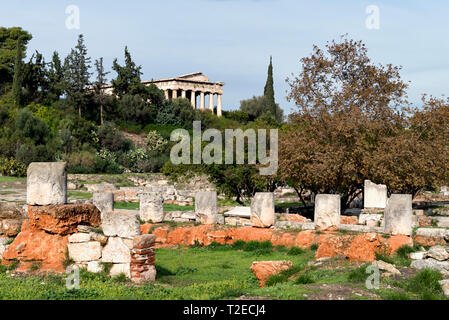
x=223, y=272
x=10, y=179
x=136, y=206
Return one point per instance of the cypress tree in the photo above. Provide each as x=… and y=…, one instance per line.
x=269, y=90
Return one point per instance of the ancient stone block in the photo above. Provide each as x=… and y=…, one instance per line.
x=116, y=251
x=104, y=201
x=119, y=268
x=79, y=237
x=47, y=183
x=367, y=218
x=375, y=195
x=327, y=212
x=262, y=210
x=9, y=210
x=63, y=219
x=398, y=214
x=206, y=207
x=264, y=269
x=151, y=207
x=85, y=251
x=120, y=224
x=94, y=266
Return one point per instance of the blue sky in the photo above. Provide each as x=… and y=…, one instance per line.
x=232, y=40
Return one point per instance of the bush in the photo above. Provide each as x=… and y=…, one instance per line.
x=358, y=274
x=294, y=251
x=11, y=167
x=426, y=284
x=304, y=279
x=112, y=139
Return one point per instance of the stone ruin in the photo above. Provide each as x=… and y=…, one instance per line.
x=87, y=235
x=94, y=235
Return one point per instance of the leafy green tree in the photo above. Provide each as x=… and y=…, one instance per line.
x=270, y=102
x=128, y=77
x=32, y=127
x=258, y=106
x=8, y=52
x=55, y=75
x=76, y=75
x=35, y=81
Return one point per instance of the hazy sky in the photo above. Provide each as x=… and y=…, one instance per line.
x=232, y=40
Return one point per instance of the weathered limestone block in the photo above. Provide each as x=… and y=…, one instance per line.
x=120, y=224
x=144, y=241
x=85, y=251
x=98, y=237
x=438, y=253
x=151, y=207
x=104, y=201
x=47, y=183
x=119, y=268
x=398, y=214
x=116, y=251
x=63, y=219
x=327, y=212
x=94, y=266
x=262, y=210
x=79, y=237
x=206, y=207
x=375, y=195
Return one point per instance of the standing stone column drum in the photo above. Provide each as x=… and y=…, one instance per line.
x=206, y=208
x=151, y=207
x=47, y=183
x=398, y=214
x=262, y=210
x=104, y=201
x=327, y=212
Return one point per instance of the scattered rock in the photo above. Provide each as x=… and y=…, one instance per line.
x=418, y=255
x=264, y=269
x=442, y=266
x=438, y=253
x=445, y=285
x=384, y=266
x=94, y=266
x=119, y=268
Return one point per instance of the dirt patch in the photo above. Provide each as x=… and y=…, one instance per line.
x=338, y=292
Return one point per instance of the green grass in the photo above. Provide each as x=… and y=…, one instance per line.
x=11, y=179
x=79, y=194
x=136, y=205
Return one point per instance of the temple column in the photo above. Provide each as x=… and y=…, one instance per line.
x=193, y=99
x=183, y=94
x=219, y=105
x=166, y=94
x=174, y=94
x=202, y=101
x=211, y=102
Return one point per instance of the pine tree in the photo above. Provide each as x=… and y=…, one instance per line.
x=76, y=75
x=56, y=77
x=269, y=91
x=18, y=77
x=99, y=84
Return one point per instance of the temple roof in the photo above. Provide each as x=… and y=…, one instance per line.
x=190, y=77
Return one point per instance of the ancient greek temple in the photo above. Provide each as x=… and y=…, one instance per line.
x=192, y=86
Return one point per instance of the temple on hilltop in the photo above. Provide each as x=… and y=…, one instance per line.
x=189, y=86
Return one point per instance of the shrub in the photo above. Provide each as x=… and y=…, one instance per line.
x=359, y=274
x=304, y=279
x=11, y=167
x=295, y=251
x=426, y=284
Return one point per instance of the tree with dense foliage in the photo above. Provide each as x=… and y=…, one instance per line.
x=76, y=75
x=128, y=77
x=55, y=78
x=8, y=47
x=18, y=76
x=257, y=107
x=268, y=94
x=353, y=125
